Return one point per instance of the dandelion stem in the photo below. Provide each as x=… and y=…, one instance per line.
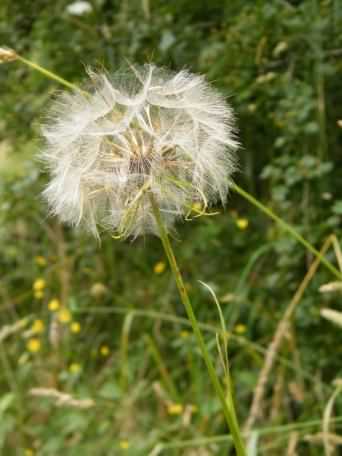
x=227, y=403
x=46, y=72
x=287, y=227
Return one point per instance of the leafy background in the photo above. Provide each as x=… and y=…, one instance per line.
x=104, y=322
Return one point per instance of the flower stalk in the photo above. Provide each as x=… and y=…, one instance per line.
x=226, y=402
x=45, y=72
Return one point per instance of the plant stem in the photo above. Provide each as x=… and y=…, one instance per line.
x=227, y=404
x=266, y=210
x=49, y=74
x=264, y=431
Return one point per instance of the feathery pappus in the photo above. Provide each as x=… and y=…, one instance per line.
x=145, y=131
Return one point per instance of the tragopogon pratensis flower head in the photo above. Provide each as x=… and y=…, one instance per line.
x=143, y=132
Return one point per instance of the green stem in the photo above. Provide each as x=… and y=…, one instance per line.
x=266, y=210
x=46, y=72
x=157, y=357
x=227, y=405
x=283, y=429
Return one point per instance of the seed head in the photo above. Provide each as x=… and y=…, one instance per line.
x=143, y=132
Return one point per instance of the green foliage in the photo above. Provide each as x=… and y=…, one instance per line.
x=280, y=64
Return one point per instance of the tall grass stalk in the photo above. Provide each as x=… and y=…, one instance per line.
x=226, y=402
x=264, y=431
x=287, y=227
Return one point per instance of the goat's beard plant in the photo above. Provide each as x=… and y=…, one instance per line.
x=132, y=153
x=140, y=133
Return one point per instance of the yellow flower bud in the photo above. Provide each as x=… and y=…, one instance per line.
x=242, y=223
x=74, y=368
x=39, y=284
x=175, y=409
x=39, y=294
x=54, y=304
x=38, y=326
x=33, y=345
x=75, y=327
x=240, y=328
x=28, y=452
x=104, y=350
x=159, y=267
x=64, y=316
x=40, y=260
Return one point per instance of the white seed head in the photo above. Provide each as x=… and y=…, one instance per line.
x=143, y=132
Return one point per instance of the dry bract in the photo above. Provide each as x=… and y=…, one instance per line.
x=7, y=55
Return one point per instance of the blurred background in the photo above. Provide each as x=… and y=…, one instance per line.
x=96, y=355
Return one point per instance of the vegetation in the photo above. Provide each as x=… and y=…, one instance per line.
x=97, y=355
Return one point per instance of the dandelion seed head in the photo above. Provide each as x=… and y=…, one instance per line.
x=143, y=132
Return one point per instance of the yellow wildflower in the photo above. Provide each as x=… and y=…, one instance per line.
x=159, y=267
x=124, y=444
x=74, y=368
x=29, y=452
x=240, y=328
x=38, y=326
x=64, y=316
x=39, y=294
x=40, y=260
x=33, y=345
x=184, y=334
x=39, y=284
x=242, y=223
x=104, y=350
x=175, y=409
x=54, y=304
x=75, y=327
